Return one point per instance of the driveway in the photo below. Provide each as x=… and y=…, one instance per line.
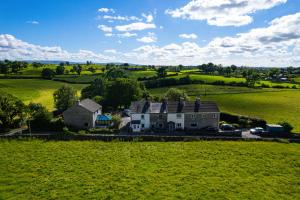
x=247, y=134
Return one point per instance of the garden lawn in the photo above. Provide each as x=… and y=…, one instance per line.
x=34, y=90
x=120, y=170
x=271, y=104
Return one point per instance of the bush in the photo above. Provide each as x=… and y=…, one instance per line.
x=48, y=73
x=116, y=121
x=286, y=126
x=243, y=121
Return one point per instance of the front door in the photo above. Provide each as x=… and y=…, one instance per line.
x=171, y=127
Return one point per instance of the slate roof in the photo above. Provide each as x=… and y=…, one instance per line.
x=90, y=105
x=173, y=107
x=191, y=106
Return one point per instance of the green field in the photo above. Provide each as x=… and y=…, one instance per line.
x=273, y=105
x=35, y=90
x=120, y=170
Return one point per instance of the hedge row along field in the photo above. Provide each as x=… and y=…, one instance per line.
x=148, y=170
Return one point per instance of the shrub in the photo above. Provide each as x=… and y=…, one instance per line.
x=116, y=121
x=48, y=73
x=286, y=126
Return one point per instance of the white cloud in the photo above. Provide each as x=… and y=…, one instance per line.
x=33, y=22
x=121, y=18
x=15, y=49
x=121, y=35
x=149, y=18
x=105, y=28
x=188, y=36
x=108, y=34
x=126, y=35
x=275, y=45
x=223, y=12
x=106, y=10
x=110, y=51
x=137, y=26
x=151, y=38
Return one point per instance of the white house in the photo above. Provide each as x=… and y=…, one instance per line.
x=140, y=116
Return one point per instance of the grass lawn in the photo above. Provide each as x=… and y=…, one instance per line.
x=119, y=170
x=36, y=90
x=273, y=105
x=141, y=74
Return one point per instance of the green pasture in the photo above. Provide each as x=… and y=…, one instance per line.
x=149, y=170
x=34, y=90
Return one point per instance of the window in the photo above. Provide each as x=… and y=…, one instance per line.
x=160, y=116
x=193, y=124
x=142, y=116
x=203, y=116
x=143, y=125
x=215, y=116
x=179, y=125
x=178, y=116
x=134, y=126
x=160, y=125
x=193, y=116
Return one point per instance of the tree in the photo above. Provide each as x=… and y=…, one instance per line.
x=122, y=91
x=4, y=68
x=40, y=116
x=114, y=73
x=77, y=69
x=161, y=72
x=175, y=94
x=92, y=69
x=12, y=111
x=36, y=65
x=286, y=126
x=251, y=77
x=97, y=88
x=48, y=73
x=60, y=70
x=65, y=97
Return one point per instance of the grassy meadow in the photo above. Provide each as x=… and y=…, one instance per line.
x=122, y=170
x=34, y=90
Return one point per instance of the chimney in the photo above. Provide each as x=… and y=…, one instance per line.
x=197, y=104
x=181, y=104
x=146, y=105
x=164, y=105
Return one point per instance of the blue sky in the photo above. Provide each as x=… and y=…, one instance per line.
x=164, y=32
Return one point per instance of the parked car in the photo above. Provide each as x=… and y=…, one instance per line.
x=227, y=127
x=257, y=130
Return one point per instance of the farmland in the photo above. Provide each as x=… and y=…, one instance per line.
x=35, y=90
x=271, y=104
x=98, y=170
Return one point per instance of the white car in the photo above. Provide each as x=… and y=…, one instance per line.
x=256, y=130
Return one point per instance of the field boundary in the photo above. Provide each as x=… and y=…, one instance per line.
x=140, y=138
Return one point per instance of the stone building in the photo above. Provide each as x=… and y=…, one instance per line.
x=174, y=115
x=83, y=114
